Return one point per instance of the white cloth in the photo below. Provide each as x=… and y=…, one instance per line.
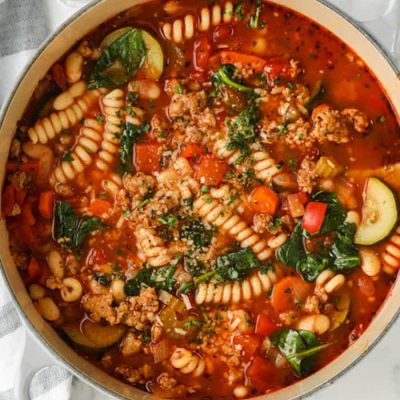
x=23, y=25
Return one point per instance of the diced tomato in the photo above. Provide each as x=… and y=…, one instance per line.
x=26, y=214
x=264, y=200
x=191, y=150
x=201, y=53
x=211, y=171
x=147, y=156
x=96, y=256
x=34, y=269
x=46, y=202
x=57, y=71
x=257, y=64
x=20, y=197
x=314, y=216
x=289, y=293
x=30, y=166
x=8, y=200
x=265, y=326
x=222, y=32
x=99, y=207
x=295, y=206
x=248, y=343
x=278, y=68
x=261, y=373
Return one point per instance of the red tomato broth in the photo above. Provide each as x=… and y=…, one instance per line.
x=116, y=251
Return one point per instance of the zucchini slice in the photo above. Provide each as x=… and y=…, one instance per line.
x=379, y=213
x=153, y=64
x=341, y=301
x=94, y=337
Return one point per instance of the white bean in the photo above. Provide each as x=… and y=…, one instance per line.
x=146, y=88
x=317, y=323
x=74, y=67
x=56, y=263
x=335, y=284
x=240, y=391
x=72, y=290
x=118, y=290
x=353, y=217
x=48, y=309
x=36, y=292
x=370, y=262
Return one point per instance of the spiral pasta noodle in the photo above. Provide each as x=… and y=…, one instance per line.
x=184, y=28
x=153, y=247
x=234, y=292
x=264, y=166
x=225, y=196
x=48, y=128
x=112, y=185
x=222, y=217
x=391, y=253
x=113, y=104
x=88, y=143
x=187, y=362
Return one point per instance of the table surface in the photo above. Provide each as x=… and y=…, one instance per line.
x=377, y=375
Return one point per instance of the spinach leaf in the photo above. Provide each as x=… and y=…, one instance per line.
x=131, y=135
x=197, y=233
x=311, y=266
x=316, y=96
x=343, y=251
x=235, y=266
x=157, y=278
x=293, y=250
x=225, y=75
x=254, y=20
x=299, y=347
x=69, y=230
x=120, y=61
x=335, y=214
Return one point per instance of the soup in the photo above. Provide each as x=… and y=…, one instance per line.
x=202, y=199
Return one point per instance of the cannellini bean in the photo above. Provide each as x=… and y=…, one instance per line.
x=56, y=263
x=172, y=7
x=353, y=217
x=118, y=290
x=335, y=283
x=48, y=309
x=240, y=391
x=74, y=67
x=36, y=292
x=370, y=262
x=72, y=290
x=147, y=89
x=317, y=323
x=260, y=46
x=324, y=277
x=43, y=153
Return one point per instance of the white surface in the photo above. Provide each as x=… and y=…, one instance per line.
x=377, y=376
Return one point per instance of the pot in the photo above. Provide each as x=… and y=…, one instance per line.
x=57, y=45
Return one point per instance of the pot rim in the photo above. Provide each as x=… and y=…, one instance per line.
x=69, y=365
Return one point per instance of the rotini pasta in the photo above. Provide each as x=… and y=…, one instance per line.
x=187, y=362
x=222, y=217
x=152, y=247
x=183, y=29
x=113, y=104
x=215, y=292
x=391, y=253
x=48, y=128
x=88, y=143
x=67, y=98
x=264, y=166
x=112, y=185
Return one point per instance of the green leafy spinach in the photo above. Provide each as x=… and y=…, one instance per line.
x=120, y=61
x=69, y=230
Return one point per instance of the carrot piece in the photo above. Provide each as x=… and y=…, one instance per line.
x=147, y=157
x=264, y=200
x=46, y=201
x=26, y=214
x=34, y=269
x=244, y=60
x=99, y=207
x=8, y=200
x=211, y=171
x=289, y=292
x=191, y=150
x=265, y=326
x=261, y=373
x=30, y=166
